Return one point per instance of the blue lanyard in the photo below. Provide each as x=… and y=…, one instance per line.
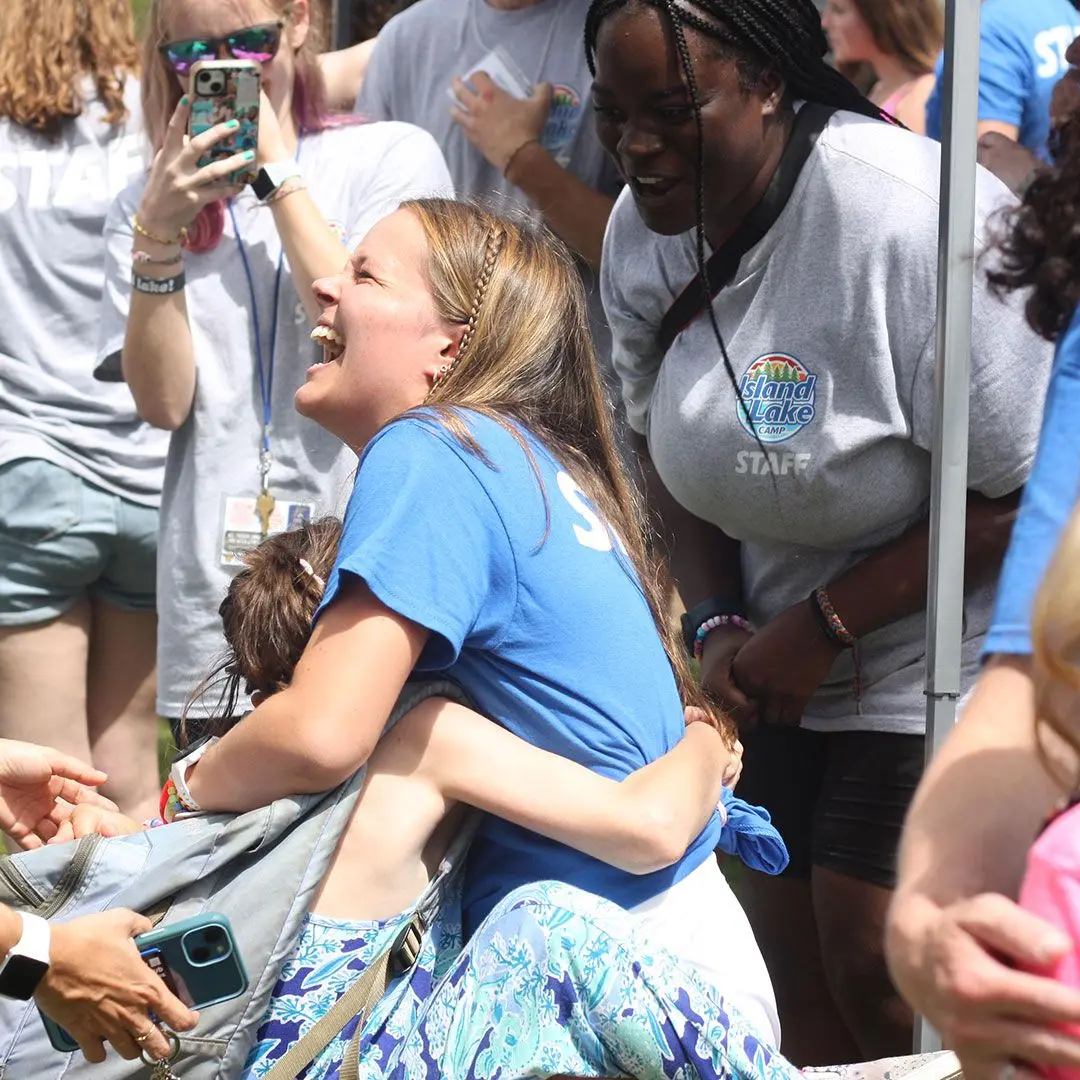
x=265, y=370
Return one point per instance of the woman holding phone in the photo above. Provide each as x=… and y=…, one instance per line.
x=208, y=299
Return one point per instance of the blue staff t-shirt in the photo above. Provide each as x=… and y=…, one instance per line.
x=534, y=610
x=1049, y=497
x=1021, y=56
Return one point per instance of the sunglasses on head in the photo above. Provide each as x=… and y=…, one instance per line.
x=251, y=43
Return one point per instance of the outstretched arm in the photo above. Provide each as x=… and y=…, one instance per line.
x=640, y=824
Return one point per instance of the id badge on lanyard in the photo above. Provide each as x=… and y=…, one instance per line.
x=247, y=520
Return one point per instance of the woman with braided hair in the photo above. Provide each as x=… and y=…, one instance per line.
x=493, y=536
x=782, y=397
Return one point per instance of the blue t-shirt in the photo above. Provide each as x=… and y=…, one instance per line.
x=1021, y=56
x=534, y=610
x=1049, y=497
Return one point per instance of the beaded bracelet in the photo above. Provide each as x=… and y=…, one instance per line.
x=709, y=625
x=287, y=187
x=834, y=625
x=141, y=229
x=145, y=258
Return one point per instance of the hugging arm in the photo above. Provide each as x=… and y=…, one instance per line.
x=318, y=731
x=640, y=824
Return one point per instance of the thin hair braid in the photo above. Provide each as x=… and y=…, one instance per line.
x=687, y=62
x=492, y=246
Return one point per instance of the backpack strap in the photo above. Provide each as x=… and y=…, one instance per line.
x=398, y=958
x=809, y=123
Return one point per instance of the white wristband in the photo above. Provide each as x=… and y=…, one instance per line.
x=179, y=773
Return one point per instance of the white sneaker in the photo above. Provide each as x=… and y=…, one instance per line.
x=942, y=1065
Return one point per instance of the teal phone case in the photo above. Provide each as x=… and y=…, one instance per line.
x=196, y=958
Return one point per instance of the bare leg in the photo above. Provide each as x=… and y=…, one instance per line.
x=43, y=682
x=781, y=912
x=120, y=706
x=851, y=921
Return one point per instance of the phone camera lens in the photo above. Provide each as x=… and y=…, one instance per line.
x=214, y=934
x=200, y=954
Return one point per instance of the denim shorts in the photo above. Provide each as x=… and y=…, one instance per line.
x=62, y=538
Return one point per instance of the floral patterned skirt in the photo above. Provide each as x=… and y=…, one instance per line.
x=555, y=980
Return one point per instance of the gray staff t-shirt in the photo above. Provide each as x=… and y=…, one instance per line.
x=830, y=326
x=422, y=49
x=54, y=195
x=356, y=174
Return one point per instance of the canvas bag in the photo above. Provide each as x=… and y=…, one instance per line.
x=260, y=869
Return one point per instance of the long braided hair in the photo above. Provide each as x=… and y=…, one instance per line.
x=759, y=36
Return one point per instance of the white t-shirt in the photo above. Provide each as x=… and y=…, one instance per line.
x=356, y=174
x=422, y=49
x=830, y=326
x=54, y=195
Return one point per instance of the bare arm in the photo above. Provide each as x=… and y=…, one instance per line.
x=319, y=730
x=640, y=824
x=343, y=73
x=954, y=936
x=158, y=359
x=311, y=246
x=1010, y=131
x=574, y=211
x=506, y=131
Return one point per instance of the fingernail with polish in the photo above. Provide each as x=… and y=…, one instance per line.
x=232, y=124
x=249, y=155
x=184, y=100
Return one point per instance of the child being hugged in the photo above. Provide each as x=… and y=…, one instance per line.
x=438, y=757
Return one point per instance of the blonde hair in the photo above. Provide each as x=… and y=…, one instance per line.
x=45, y=50
x=1055, y=639
x=526, y=358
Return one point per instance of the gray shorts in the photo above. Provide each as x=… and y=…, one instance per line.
x=62, y=538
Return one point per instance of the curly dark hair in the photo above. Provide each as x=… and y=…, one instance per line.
x=1040, y=242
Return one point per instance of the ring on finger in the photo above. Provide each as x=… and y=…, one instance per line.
x=174, y=1049
x=140, y=1039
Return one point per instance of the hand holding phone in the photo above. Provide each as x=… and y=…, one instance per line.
x=195, y=958
x=227, y=92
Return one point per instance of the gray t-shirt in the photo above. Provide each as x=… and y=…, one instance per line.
x=356, y=174
x=830, y=326
x=54, y=195
x=422, y=49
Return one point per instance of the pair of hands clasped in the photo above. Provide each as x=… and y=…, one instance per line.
x=770, y=675
x=97, y=987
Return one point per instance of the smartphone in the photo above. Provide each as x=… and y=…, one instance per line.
x=223, y=90
x=196, y=959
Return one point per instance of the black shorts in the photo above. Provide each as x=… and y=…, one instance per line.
x=837, y=798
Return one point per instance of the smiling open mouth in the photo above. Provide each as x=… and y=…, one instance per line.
x=333, y=344
x=647, y=187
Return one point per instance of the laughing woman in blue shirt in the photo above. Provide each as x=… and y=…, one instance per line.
x=493, y=535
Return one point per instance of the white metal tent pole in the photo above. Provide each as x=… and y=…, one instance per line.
x=948, y=494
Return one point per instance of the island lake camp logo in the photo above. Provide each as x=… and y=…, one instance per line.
x=776, y=397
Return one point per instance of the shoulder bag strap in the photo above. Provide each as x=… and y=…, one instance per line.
x=357, y=1001
x=809, y=123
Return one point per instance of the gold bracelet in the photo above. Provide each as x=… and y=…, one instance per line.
x=514, y=155
x=143, y=231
